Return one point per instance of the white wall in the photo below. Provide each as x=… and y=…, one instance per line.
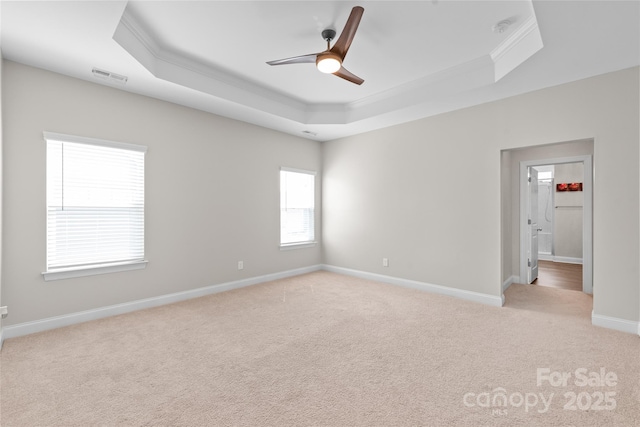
x=1, y=188
x=212, y=193
x=568, y=212
x=426, y=194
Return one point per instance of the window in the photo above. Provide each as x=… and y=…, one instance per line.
x=297, y=213
x=546, y=175
x=95, y=206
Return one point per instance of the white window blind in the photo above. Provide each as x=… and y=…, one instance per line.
x=297, y=200
x=95, y=202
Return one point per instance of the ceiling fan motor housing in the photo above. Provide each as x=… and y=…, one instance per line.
x=328, y=34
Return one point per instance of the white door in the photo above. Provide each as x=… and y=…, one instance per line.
x=532, y=222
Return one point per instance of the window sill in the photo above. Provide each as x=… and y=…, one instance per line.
x=291, y=246
x=92, y=271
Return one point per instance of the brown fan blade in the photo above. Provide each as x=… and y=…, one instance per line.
x=343, y=73
x=302, y=59
x=346, y=37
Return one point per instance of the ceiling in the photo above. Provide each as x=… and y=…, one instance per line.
x=418, y=58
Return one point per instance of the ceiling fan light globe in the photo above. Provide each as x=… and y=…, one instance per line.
x=328, y=64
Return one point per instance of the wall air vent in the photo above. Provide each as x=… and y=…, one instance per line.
x=308, y=132
x=111, y=77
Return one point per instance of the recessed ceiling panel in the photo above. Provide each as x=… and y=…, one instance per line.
x=396, y=43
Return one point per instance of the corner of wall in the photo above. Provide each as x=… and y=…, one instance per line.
x=1, y=197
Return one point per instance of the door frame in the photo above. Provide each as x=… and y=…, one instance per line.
x=587, y=215
x=530, y=212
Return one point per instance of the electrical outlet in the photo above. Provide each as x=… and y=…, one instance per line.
x=385, y=262
x=240, y=265
x=4, y=311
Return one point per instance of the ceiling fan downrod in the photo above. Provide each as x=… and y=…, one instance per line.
x=328, y=35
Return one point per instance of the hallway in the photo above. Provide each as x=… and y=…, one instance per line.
x=559, y=275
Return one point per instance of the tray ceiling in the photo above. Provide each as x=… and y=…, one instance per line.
x=417, y=58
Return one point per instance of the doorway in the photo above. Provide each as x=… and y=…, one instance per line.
x=559, y=275
x=570, y=212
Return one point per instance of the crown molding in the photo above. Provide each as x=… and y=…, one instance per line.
x=461, y=78
x=167, y=65
x=523, y=43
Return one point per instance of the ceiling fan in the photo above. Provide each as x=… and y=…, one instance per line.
x=330, y=61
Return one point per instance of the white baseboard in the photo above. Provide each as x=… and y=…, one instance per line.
x=510, y=281
x=564, y=259
x=567, y=260
x=487, y=299
x=615, y=323
x=26, y=328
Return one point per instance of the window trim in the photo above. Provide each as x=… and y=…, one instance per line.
x=308, y=243
x=69, y=273
x=72, y=272
x=93, y=141
x=301, y=245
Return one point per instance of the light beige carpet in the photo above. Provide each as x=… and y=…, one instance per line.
x=328, y=350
